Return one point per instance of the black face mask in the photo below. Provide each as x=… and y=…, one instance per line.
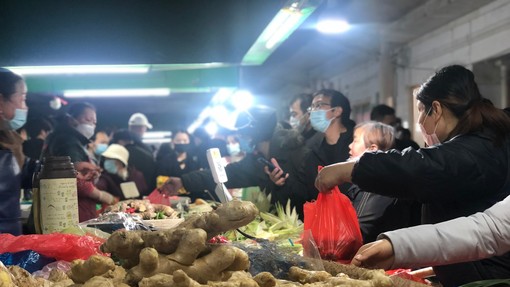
x=180, y=148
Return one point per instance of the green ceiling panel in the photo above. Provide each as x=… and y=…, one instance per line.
x=182, y=80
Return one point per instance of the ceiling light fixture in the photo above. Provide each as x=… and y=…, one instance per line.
x=80, y=69
x=288, y=19
x=157, y=92
x=333, y=26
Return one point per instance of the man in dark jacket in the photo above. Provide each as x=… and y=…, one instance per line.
x=330, y=115
x=258, y=125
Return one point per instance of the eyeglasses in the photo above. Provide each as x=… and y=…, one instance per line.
x=317, y=106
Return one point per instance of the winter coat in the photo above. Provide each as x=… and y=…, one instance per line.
x=111, y=182
x=460, y=177
x=478, y=236
x=285, y=146
x=66, y=141
x=10, y=212
x=169, y=165
x=378, y=213
x=142, y=159
x=299, y=186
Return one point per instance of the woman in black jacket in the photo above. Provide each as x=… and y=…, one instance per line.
x=464, y=170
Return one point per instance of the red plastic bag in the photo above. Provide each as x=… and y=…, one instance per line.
x=57, y=245
x=159, y=197
x=334, y=225
x=406, y=274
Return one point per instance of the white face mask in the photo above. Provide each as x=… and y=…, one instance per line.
x=432, y=139
x=87, y=130
x=295, y=123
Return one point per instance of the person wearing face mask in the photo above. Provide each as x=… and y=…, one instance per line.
x=259, y=137
x=98, y=145
x=13, y=112
x=72, y=133
x=300, y=119
x=330, y=116
x=179, y=160
x=71, y=137
x=464, y=170
x=116, y=171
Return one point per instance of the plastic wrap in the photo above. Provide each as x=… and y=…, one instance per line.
x=28, y=260
x=275, y=258
x=45, y=271
x=109, y=222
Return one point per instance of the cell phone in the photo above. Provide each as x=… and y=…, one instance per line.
x=266, y=163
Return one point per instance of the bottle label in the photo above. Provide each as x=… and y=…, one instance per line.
x=59, y=204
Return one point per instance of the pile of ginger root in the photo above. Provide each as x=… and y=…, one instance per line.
x=181, y=257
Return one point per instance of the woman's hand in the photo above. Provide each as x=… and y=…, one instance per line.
x=87, y=170
x=375, y=255
x=334, y=174
x=277, y=176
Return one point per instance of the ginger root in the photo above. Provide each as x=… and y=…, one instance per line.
x=127, y=245
x=215, y=266
x=82, y=270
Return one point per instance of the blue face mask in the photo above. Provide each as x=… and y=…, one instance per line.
x=100, y=148
x=246, y=145
x=319, y=121
x=110, y=166
x=20, y=118
x=233, y=148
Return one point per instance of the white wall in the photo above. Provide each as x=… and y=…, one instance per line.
x=480, y=35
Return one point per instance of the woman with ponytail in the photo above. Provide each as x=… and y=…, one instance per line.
x=465, y=168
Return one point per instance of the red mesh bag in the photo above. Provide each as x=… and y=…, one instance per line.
x=334, y=226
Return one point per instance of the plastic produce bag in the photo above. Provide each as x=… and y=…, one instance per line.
x=112, y=221
x=334, y=225
x=159, y=197
x=57, y=245
x=28, y=260
x=46, y=270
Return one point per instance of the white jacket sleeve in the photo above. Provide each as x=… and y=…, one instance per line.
x=463, y=239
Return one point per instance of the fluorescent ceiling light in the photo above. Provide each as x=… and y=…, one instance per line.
x=158, y=92
x=152, y=135
x=242, y=100
x=333, y=26
x=80, y=69
x=288, y=19
x=156, y=141
x=286, y=25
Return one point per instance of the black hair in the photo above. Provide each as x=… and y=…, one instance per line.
x=305, y=101
x=76, y=109
x=35, y=126
x=454, y=87
x=201, y=134
x=380, y=111
x=8, y=81
x=122, y=134
x=258, y=122
x=338, y=100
